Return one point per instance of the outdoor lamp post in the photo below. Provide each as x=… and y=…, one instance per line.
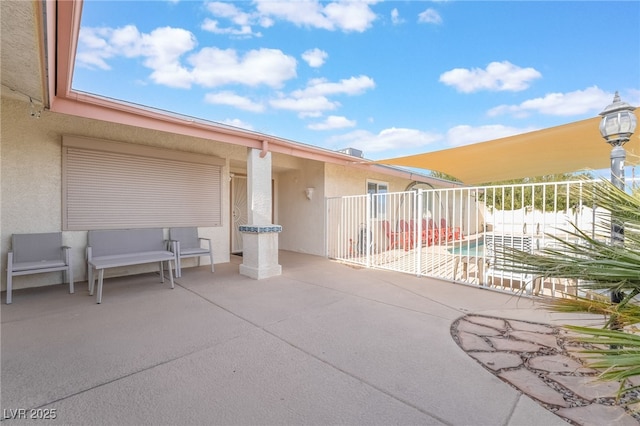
x=617, y=125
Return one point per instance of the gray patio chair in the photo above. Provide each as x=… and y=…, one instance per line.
x=35, y=254
x=184, y=242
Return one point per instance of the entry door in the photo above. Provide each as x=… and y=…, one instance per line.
x=239, y=215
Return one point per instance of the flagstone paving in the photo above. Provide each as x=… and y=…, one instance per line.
x=543, y=363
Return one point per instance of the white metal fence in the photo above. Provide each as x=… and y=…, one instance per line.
x=441, y=233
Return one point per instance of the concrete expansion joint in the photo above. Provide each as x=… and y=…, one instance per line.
x=544, y=363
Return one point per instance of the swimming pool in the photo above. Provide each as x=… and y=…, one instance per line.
x=471, y=248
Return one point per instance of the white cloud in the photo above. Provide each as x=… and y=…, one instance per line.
x=243, y=31
x=306, y=106
x=215, y=67
x=465, y=135
x=93, y=48
x=315, y=57
x=395, y=17
x=351, y=86
x=341, y=15
x=430, y=16
x=498, y=76
x=236, y=122
x=388, y=139
x=162, y=51
x=579, y=102
x=243, y=21
x=333, y=122
x=313, y=99
x=229, y=11
x=350, y=15
x=344, y=15
x=163, y=48
x=234, y=100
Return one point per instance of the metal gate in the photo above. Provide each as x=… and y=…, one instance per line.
x=449, y=233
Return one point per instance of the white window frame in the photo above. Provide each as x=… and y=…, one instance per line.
x=378, y=204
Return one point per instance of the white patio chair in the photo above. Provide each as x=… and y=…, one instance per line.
x=35, y=254
x=184, y=242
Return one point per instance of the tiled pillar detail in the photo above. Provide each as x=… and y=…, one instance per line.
x=259, y=236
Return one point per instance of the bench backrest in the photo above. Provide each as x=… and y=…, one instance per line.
x=188, y=237
x=124, y=241
x=37, y=247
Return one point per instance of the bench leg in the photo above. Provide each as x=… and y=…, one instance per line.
x=100, y=279
x=178, y=267
x=9, y=287
x=68, y=273
x=70, y=277
x=170, y=273
x=9, y=277
x=162, y=272
x=91, y=280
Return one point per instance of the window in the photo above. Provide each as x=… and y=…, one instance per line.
x=378, y=198
x=117, y=185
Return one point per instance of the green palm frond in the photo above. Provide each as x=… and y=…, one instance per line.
x=591, y=260
x=626, y=314
x=617, y=354
x=597, y=265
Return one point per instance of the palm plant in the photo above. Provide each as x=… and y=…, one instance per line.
x=597, y=266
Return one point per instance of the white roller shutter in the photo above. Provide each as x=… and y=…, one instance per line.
x=112, y=185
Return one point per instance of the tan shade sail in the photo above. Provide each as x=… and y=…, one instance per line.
x=568, y=148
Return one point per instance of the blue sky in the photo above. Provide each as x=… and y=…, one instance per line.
x=391, y=78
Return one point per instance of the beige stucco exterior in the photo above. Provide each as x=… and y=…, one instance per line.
x=31, y=183
x=32, y=180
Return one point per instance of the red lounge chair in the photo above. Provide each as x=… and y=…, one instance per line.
x=448, y=233
x=392, y=236
x=407, y=234
x=429, y=232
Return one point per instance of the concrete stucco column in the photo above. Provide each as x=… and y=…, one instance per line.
x=259, y=236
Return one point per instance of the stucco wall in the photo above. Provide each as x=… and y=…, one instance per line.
x=302, y=219
x=31, y=186
x=342, y=180
x=31, y=182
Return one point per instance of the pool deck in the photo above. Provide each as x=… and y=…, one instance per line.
x=324, y=343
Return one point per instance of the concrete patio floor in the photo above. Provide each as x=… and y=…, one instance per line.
x=324, y=343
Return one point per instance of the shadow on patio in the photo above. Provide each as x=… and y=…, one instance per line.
x=324, y=343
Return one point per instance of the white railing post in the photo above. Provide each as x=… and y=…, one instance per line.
x=418, y=239
x=356, y=225
x=367, y=230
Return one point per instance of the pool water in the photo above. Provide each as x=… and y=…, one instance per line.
x=468, y=249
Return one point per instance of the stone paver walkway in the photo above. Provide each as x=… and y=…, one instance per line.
x=542, y=362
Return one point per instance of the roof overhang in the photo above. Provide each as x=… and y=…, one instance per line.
x=64, y=19
x=23, y=61
x=568, y=148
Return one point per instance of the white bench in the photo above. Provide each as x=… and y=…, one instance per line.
x=125, y=247
x=496, y=267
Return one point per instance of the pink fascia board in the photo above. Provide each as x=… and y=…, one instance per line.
x=67, y=101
